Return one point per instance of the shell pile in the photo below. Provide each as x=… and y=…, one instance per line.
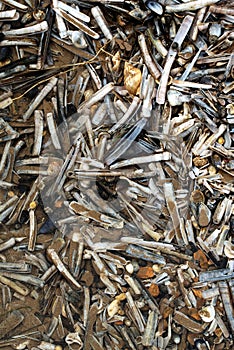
x=116, y=174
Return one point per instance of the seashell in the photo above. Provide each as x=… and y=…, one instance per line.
x=207, y=313
x=77, y=38
x=201, y=258
x=197, y=197
x=44, y=345
x=22, y=346
x=216, y=160
x=230, y=108
x=199, y=162
x=187, y=52
x=113, y=308
x=176, y=98
x=230, y=165
x=72, y=338
x=212, y=170
x=120, y=297
x=201, y=344
x=154, y=6
x=204, y=215
x=138, y=14
x=229, y=249
x=157, y=268
x=132, y=267
x=116, y=61
x=39, y=15
x=214, y=32
x=26, y=17
x=88, y=94
x=132, y=78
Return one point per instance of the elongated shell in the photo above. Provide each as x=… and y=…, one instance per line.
x=113, y=308
x=176, y=98
x=154, y=6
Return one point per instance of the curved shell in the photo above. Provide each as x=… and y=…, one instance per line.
x=72, y=338
x=132, y=78
x=77, y=38
x=207, y=313
x=113, y=308
x=229, y=249
x=154, y=6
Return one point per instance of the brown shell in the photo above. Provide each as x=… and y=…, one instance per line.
x=132, y=78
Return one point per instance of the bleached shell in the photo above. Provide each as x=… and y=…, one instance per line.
x=130, y=268
x=229, y=249
x=77, y=38
x=207, y=313
x=74, y=338
x=176, y=98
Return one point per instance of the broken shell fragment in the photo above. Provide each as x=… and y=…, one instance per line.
x=132, y=78
x=176, y=98
x=229, y=249
x=207, y=313
x=77, y=38
x=199, y=162
x=132, y=267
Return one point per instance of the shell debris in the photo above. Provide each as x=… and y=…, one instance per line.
x=116, y=174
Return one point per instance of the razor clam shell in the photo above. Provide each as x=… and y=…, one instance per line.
x=116, y=209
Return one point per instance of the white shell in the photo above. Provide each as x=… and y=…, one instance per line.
x=132, y=267
x=207, y=313
x=22, y=346
x=74, y=338
x=176, y=98
x=113, y=308
x=77, y=38
x=129, y=268
x=229, y=249
x=154, y=6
